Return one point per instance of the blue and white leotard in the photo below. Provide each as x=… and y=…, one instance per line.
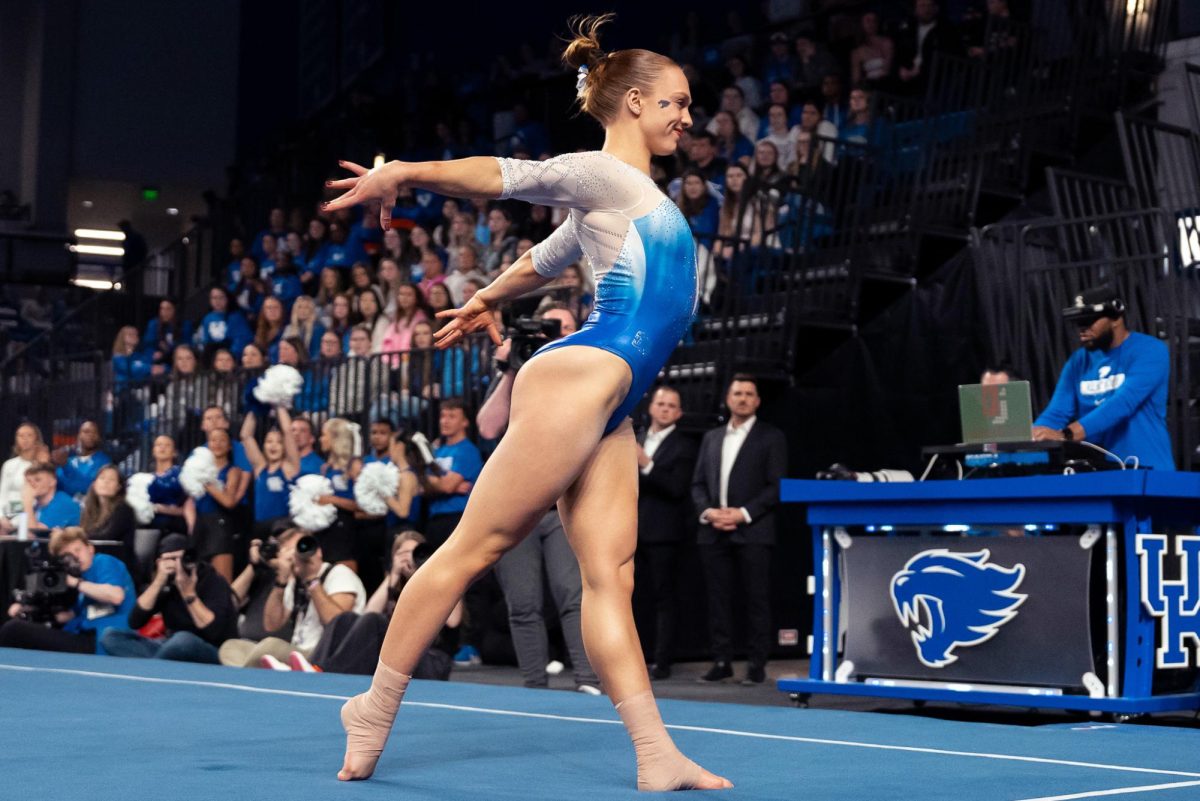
x=640, y=250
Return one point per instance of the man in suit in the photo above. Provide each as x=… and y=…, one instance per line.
x=666, y=457
x=918, y=41
x=735, y=488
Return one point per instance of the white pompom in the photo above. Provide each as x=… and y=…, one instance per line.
x=302, y=503
x=278, y=385
x=198, y=471
x=137, y=495
x=376, y=482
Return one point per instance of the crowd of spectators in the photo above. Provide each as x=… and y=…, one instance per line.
x=354, y=308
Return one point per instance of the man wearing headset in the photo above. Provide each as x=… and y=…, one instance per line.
x=1113, y=391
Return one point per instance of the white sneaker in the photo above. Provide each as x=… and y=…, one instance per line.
x=271, y=663
x=301, y=664
x=588, y=689
x=555, y=667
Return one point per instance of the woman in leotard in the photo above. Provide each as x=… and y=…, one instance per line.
x=569, y=439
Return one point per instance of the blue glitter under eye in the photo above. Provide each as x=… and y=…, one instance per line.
x=664, y=103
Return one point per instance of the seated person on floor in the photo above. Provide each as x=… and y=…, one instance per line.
x=196, y=606
x=308, y=591
x=99, y=595
x=351, y=642
x=253, y=586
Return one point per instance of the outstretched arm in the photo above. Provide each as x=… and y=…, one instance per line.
x=474, y=177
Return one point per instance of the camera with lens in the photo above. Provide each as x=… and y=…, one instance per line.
x=267, y=551
x=46, y=592
x=187, y=562
x=306, y=547
x=421, y=554
x=528, y=335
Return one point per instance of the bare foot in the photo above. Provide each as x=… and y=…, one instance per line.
x=711, y=781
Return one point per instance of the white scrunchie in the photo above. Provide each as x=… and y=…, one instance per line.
x=198, y=471
x=278, y=385
x=137, y=495
x=376, y=482
x=302, y=503
x=581, y=80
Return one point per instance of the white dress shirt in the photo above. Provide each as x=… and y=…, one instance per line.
x=650, y=446
x=731, y=445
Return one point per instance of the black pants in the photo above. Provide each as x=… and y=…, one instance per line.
x=370, y=550
x=724, y=562
x=661, y=561
x=35, y=636
x=351, y=644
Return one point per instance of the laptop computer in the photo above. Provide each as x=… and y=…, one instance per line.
x=995, y=412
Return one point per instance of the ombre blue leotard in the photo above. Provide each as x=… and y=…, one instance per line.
x=640, y=250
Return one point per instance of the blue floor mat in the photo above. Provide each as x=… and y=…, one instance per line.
x=100, y=728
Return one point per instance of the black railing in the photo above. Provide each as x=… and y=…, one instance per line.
x=404, y=387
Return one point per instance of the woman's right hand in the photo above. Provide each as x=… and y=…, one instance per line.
x=476, y=315
x=380, y=183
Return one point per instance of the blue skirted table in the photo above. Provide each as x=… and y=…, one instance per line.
x=1049, y=591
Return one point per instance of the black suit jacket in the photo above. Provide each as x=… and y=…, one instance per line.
x=753, y=482
x=664, y=502
x=943, y=38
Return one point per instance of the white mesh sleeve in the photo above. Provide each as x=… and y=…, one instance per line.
x=585, y=181
x=552, y=255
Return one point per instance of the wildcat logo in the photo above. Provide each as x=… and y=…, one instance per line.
x=949, y=600
x=1176, y=603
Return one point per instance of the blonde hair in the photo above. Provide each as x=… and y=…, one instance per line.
x=341, y=442
x=302, y=330
x=609, y=75
x=119, y=347
x=62, y=537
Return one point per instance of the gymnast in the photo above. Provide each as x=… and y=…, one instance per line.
x=569, y=438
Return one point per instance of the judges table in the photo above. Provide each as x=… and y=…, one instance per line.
x=1048, y=591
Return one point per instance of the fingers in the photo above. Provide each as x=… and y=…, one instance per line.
x=385, y=213
x=448, y=340
x=343, y=183
x=494, y=332
x=357, y=169
x=348, y=199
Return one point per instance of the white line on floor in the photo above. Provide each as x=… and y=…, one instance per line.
x=1149, y=788
x=676, y=727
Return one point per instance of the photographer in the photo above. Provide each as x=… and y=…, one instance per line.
x=351, y=642
x=307, y=590
x=196, y=606
x=104, y=596
x=253, y=586
x=493, y=415
x=1113, y=390
x=545, y=552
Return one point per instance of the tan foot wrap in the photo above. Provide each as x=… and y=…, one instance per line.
x=660, y=765
x=368, y=718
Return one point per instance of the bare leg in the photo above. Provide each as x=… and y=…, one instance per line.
x=223, y=564
x=561, y=402
x=599, y=513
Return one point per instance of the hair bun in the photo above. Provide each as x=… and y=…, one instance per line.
x=583, y=50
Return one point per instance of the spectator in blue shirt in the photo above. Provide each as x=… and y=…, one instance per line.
x=313, y=254
x=105, y=597
x=46, y=507
x=305, y=436
x=130, y=365
x=276, y=227
x=270, y=252
x=366, y=237
x=1112, y=391
x=249, y=288
x=459, y=463
x=779, y=66
x=78, y=466
x=223, y=326
x=340, y=252
x=164, y=332
x=237, y=251
x=731, y=146
x=701, y=210
x=287, y=282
